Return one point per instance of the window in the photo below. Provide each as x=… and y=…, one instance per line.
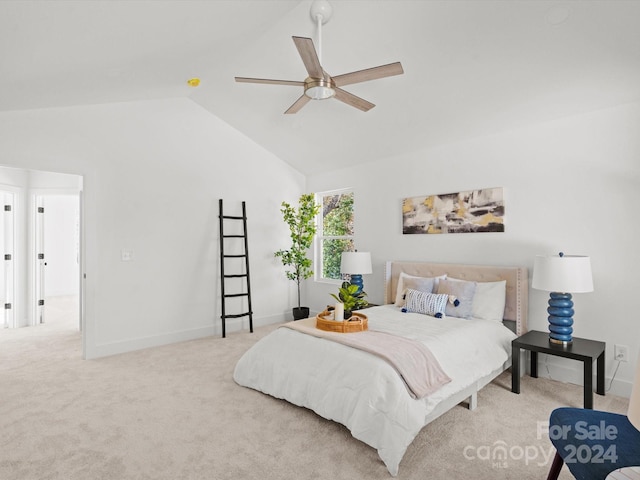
x=334, y=234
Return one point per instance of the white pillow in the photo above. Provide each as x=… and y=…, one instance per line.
x=489, y=300
x=423, y=284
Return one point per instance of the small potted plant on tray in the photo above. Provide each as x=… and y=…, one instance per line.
x=352, y=300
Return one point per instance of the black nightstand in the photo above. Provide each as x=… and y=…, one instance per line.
x=587, y=351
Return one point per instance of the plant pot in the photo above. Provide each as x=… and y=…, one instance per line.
x=300, y=312
x=347, y=314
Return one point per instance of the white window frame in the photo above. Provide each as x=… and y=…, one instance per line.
x=319, y=237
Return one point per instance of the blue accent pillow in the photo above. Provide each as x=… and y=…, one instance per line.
x=425, y=303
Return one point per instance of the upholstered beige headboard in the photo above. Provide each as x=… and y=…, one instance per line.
x=517, y=304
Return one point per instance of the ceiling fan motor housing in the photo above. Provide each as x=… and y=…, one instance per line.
x=319, y=88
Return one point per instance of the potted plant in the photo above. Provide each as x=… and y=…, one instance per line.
x=302, y=226
x=352, y=299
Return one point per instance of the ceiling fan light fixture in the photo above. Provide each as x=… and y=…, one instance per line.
x=319, y=93
x=319, y=88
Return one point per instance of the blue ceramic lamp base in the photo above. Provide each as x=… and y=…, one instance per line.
x=560, y=318
x=356, y=279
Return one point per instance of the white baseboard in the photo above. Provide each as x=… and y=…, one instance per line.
x=242, y=324
x=573, y=374
x=130, y=345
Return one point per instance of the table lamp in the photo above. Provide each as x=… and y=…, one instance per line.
x=562, y=275
x=356, y=264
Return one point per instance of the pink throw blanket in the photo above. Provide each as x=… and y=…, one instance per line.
x=414, y=362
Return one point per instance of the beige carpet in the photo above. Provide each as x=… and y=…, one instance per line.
x=175, y=413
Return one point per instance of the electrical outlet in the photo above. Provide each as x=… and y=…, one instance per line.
x=621, y=353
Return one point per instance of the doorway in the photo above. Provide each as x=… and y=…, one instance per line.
x=57, y=254
x=41, y=234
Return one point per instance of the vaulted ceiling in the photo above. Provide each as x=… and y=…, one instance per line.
x=472, y=67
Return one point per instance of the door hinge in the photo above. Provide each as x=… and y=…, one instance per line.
x=41, y=256
x=7, y=208
x=7, y=306
x=40, y=209
x=40, y=303
x=7, y=256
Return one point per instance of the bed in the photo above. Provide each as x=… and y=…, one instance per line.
x=365, y=392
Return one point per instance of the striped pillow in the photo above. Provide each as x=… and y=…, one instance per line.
x=426, y=303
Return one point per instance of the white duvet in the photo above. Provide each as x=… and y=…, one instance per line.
x=363, y=392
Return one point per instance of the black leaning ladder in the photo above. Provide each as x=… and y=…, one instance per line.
x=224, y=276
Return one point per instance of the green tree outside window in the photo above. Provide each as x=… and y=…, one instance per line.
x=336, y=231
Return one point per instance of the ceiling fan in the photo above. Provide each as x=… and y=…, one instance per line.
x=319, y=85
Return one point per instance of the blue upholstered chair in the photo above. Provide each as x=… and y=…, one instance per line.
x=593, y=443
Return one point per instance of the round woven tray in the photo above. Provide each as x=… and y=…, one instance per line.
x=357, y=323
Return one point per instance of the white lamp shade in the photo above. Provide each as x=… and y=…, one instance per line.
x=566, y=274
x=634, y=402
x=356, y=263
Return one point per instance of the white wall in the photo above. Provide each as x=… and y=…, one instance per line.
x=571, y=185
x=153, y=173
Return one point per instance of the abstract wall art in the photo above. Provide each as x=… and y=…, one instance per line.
x=463, y=212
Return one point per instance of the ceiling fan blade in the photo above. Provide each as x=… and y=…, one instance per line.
x=354, y=101
x=309, y=56
x=369, y=74
x=269, y=82
x=298, y=104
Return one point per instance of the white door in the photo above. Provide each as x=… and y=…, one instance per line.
x=7, y=257
x=40, y=261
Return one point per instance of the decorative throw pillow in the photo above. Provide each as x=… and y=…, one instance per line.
x=422, y=284
x=464, y=292
x=425, y=303
x=416, y=283
x=489, y=300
